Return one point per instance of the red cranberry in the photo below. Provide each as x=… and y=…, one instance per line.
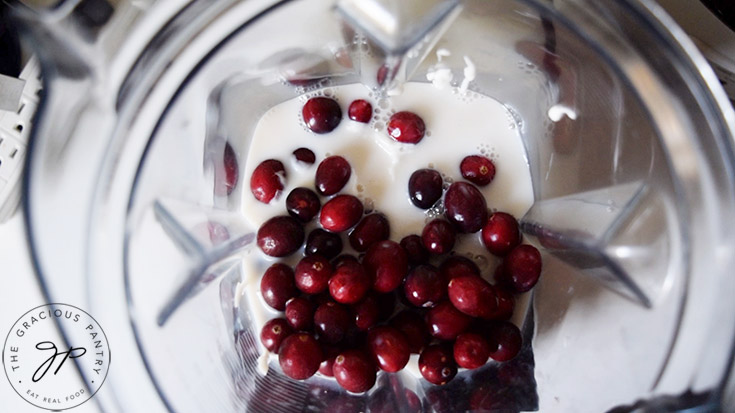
x=330, y=353
x=471, y=350
x=500, y=234
x=438, y=237
x=321, y=242
x=477, y=169
x=424, y=286
x=321, y=114
x=345, y=259
x=331, y=321
x=300, y=356
x=354, y=371
x=457, y=265
x=303, y=204
x=505, y=340
x=341, y=213
x=267, y=180
x=387, y=263
x=332, y=175
x=521, y=268
x=304, y=155
x=465, y=207
x=446, y=322
x=349, y=284
x=436, y=364
x=312, y=274
x=425, y=188
x=406, y=127
x=473, y=296
x=280, y=236
x=224, y=185
x=414, y=328
x=299, y=313
x=277, y=286
x=273, y=334
x=371, y=229
x=506, y=303
x=360, y=111
x=415, y=251
x=367, y=312
x=389, y=348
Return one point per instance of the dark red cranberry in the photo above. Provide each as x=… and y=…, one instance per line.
x=303, y=204
x=331, y=321
x=446, y=322
x=280, y=236
x=389, y=348
x=465, y=207
x=277, y=286
x=312, y=274
x=273, y=334
x=505, y=340
x=332, y=175
x=354, y=371
x=425, y=188
x=457, y=265
x=321, y=114
x=299, y=313
x=225, y=183
x=424, y=286
x=367, y=312
x=267, y=180
x=300, y=356
x=477, y=169
x=500, y=234
x=436, y=364
x=412, y=402
x=341, y=213
x=415, y=251
x=387, y=264
x=360, y=111
x=438, y=237
x=305, y=155
x=330, y=353
x=521, y=268
x=349, y=284
x=473, y=296
x=406, y=127
x=506, y=303
x=371, y=229
x=471, y=350
x=414, y=328
x=345, y=259
x=321, y=242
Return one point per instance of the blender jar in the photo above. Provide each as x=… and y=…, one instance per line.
x=628, y=139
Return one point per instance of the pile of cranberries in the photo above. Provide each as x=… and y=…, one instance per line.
x=348, y=316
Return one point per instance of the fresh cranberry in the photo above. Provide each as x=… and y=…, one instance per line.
x=412, y=402
x=477, y=169
x=471, y=350
x=436, y=364
x=349, y=284
x=273, y=334
x=505, y=340
x=500, y=234
x=424, y=286
x=332, y=175
x=321, y=242
x=465, y=207
x=371, y=229
x=506, y=303
x=345, y=259
x=312, y=274
x=389, y=348
x=446, y=322
x=299, y=313
x=280, y=236
x=473, y=296
x=415, y=251
x=303, y=204
x=414, y=328
x=438, y=237
x=406, y=127
x=330, y=353
x=425, y=188
x=360, y=111
x=267, y=180
x=354, y=371
x=331, y=321
x=387, y=263
x=457, y=265
x=367, y=312
x=341, y=213
x=521, y=268
x=300, y=356
x=224, y=185
x=321, y=114
x=277, y=286
x=305, y=155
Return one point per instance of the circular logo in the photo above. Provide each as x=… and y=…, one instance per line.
x=44, y=366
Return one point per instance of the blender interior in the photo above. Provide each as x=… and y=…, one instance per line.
x=632, y=187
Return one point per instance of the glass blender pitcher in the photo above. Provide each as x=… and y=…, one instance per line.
x=132, y=214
